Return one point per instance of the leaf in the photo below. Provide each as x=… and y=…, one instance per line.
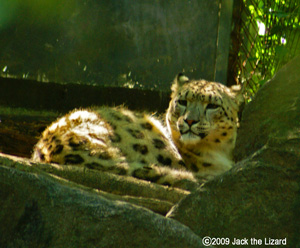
x=281, y=51
x=262, y=82
x=281, y=14
x=261, y=4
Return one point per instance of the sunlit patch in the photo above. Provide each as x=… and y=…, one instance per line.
x=98, y=130
x=261, y=28
x=84, y=115
x=62, y=122
x=128, y=113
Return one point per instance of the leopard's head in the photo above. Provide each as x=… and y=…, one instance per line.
x=202, y=112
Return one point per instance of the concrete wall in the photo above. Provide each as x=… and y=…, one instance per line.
x=133, y=43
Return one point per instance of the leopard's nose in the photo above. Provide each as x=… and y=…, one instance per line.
x=190, y=122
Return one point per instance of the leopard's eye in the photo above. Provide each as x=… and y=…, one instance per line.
x=212, y=106
x=182, y=102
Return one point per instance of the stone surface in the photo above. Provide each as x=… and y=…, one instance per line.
x=254, y=200
x=259, y=198
x=274, y=114
x=157, y=198
x=39, y=210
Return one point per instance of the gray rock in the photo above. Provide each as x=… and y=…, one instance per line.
x=39, y=210
x=155, y=197
x=274, y=114
x=259, y=198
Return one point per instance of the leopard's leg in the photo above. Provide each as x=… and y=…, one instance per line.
x=166, y=176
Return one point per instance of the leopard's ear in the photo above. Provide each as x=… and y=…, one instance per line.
x=237, y=93
x=179, y=80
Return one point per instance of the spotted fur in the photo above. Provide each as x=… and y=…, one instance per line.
x=114, y=140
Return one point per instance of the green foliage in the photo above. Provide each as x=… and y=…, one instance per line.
x=272, y=42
